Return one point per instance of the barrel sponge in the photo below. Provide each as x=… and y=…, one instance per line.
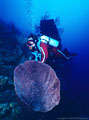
x=37, y=85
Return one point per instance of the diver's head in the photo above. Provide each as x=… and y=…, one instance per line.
x=33, y=38
x=32, y=42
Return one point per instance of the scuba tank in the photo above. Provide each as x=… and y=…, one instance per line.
x=49, y=40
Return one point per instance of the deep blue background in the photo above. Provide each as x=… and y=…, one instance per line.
x=74, y=18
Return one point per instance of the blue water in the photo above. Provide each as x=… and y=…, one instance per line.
x=74, y=18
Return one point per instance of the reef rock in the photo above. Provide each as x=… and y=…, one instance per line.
x=37, y=85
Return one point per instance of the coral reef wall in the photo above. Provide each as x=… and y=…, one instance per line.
x=9, y=47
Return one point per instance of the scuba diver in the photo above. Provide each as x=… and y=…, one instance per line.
x=47, y=45
x=43, y=47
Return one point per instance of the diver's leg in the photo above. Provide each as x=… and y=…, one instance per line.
x=64, y=55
